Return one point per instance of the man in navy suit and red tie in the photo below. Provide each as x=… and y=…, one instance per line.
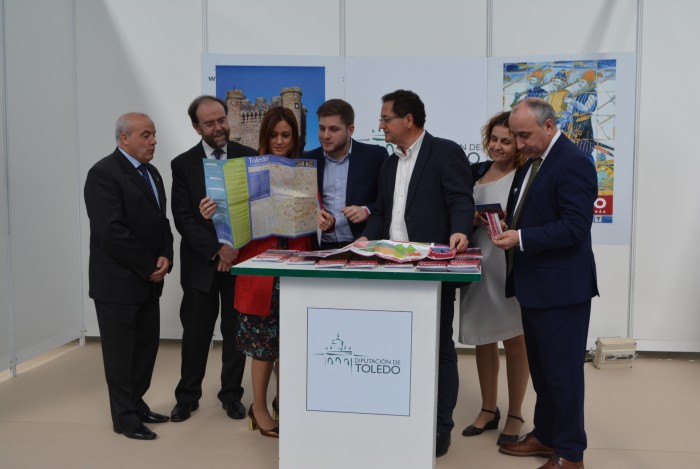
x=425, y=195
x=552, y=273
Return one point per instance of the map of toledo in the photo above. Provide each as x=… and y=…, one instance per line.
x=283, y=198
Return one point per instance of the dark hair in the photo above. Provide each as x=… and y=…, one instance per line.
x=540, y=108
x=194, y=105
x=500, y=119
x=337, y=107
x=405, y=103
x=271, y=118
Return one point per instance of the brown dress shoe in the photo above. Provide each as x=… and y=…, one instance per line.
x=528, y=446
x=561, y=463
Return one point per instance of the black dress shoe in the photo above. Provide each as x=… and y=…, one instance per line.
x=442, y=443
x=154, y=417
x=492, y=424
x=139, y=433
x=504, y=438
x=182, y=411
x=234, y=410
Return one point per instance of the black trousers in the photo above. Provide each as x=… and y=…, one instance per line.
x=448, y=376
x=130, y=336
x=198, y=313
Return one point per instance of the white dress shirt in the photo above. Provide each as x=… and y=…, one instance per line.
x=404, y=170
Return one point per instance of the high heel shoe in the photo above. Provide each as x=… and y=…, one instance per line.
x=503, y=438
x=253, y=425
x=492, y=424
x=275, y=409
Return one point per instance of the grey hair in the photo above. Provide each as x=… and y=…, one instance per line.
x=540, y=108
x=123, y=125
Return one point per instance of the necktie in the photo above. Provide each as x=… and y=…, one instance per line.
x=516, y=216
x=144, y=172
x=533, y=171
x=218, y=153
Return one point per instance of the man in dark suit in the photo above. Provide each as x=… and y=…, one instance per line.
x=347, y=173
x=425, y=195
x=206, y=265
x=131, y=251
x=552, y=273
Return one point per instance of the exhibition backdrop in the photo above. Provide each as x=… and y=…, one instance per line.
x=593, y=96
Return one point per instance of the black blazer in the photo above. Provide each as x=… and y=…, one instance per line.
x=199, y=241
x=363, y=173
x=479, y=169
x=128, y=231
x=439, y=201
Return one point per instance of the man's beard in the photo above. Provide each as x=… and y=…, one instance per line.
x=337, y=148
x=212, y=140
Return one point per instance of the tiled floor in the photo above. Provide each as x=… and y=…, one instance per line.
x=56, y=415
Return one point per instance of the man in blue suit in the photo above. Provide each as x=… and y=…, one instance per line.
x=552, y=273
x=425, y=195
x=347, y=175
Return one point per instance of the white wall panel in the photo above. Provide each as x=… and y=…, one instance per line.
x=273, y=27
x=41, y=147
x=666, y=309
x=569, y=27
x=609, y=312
x=415, y=28
x=564, y=26
x=137, y=56
x=5, y=305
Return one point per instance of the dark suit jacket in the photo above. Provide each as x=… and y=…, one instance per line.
x=557, y=266
x=128, y=231
x=363, y=172
x=199, y=241
x=439, y=201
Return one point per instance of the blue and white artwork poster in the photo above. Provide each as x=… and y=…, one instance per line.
x=593, y=96
x=359, y=361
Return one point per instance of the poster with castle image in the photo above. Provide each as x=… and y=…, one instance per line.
x=455, y=107
x=250, y=91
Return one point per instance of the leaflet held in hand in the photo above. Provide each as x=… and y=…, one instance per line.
x=493, y=214
x=260, y=196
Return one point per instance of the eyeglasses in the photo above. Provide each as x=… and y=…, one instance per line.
x=387, y=119
x=212, y=124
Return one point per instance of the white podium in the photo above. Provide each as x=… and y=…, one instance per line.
x=358, y=365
